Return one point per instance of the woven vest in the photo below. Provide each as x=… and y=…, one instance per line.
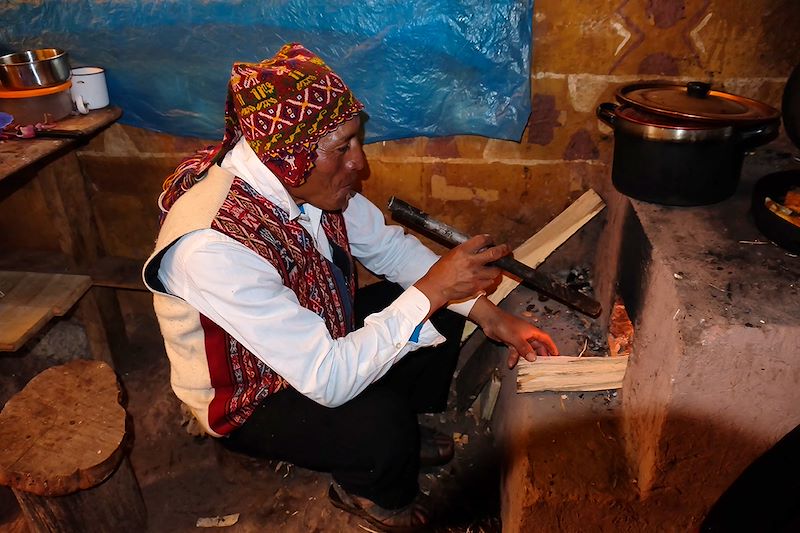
x=239, y=378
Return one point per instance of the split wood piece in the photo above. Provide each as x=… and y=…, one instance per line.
x=63, y=452
x=479, y=363
x=568, y=373
x=28, y=300
x=489, y=396
x=535, y=250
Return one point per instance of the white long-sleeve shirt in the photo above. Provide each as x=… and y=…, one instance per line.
x=245, y=295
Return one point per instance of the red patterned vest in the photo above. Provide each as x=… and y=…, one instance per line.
x=241, y=380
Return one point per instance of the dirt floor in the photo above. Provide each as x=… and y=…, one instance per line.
x=183, y=477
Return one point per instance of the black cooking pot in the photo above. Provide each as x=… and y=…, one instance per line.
x=683, y=144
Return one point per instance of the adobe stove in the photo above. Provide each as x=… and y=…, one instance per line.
x=711, y=382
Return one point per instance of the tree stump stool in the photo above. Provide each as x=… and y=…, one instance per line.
x=63, y=452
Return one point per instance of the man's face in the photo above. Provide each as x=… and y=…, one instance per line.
x=335, y=176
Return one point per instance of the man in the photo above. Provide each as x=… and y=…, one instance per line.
x=255, y=291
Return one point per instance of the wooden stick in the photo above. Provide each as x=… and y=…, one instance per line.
x=568, y=373
x=490, y=394
x=535, y=250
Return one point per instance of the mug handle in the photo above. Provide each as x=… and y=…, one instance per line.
x=81, y=105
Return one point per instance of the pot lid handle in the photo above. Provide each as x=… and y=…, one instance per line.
x=698, y=89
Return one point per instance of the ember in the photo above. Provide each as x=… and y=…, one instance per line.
x=620, y=330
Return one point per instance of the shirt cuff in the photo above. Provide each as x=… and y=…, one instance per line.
x=464, y=308
x=415, y=301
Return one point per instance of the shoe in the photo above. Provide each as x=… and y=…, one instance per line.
x=435, y=448
x=412, y=517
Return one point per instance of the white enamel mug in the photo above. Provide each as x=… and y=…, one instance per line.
x=89, y=90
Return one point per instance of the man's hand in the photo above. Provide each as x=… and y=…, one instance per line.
x=462, y=272
x=522, y=338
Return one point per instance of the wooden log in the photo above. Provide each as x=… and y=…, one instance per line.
x=569, y=373
x=110, y=507
x=64, y=452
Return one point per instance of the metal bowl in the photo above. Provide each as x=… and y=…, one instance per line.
x=34, y=69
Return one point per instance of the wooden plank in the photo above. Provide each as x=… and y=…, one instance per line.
x=118, y=272
x=535, y=250
x=105, y=328
x=479, y=364
x=67, y=198
x=89, y=124
x=18, y=154
x=489, y=396
x=28, y=300
x=568, y=373
x=71, y=209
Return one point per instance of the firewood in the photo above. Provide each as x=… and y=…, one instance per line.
x=569, y=373
x=535, y=250
x=478, y=368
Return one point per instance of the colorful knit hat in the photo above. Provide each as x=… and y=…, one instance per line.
x=282, y=106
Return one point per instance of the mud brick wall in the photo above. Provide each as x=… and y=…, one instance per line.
x=582, y=52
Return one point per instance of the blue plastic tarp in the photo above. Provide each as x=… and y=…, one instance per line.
x=421, y=68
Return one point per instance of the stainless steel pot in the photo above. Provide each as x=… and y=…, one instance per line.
x=34, y=69
x=683, y=145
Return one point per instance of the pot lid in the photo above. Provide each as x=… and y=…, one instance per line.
x=695, y=101
x=664, y=128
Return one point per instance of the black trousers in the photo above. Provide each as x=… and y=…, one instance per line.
x=370, y=444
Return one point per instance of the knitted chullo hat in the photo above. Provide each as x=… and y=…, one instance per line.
x=282, y=106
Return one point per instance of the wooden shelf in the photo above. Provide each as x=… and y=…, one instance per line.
x=28, y=300
x=113, y=272
x=44, y=261
x=51, y=167
x=21, y=154
x=118, y=273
